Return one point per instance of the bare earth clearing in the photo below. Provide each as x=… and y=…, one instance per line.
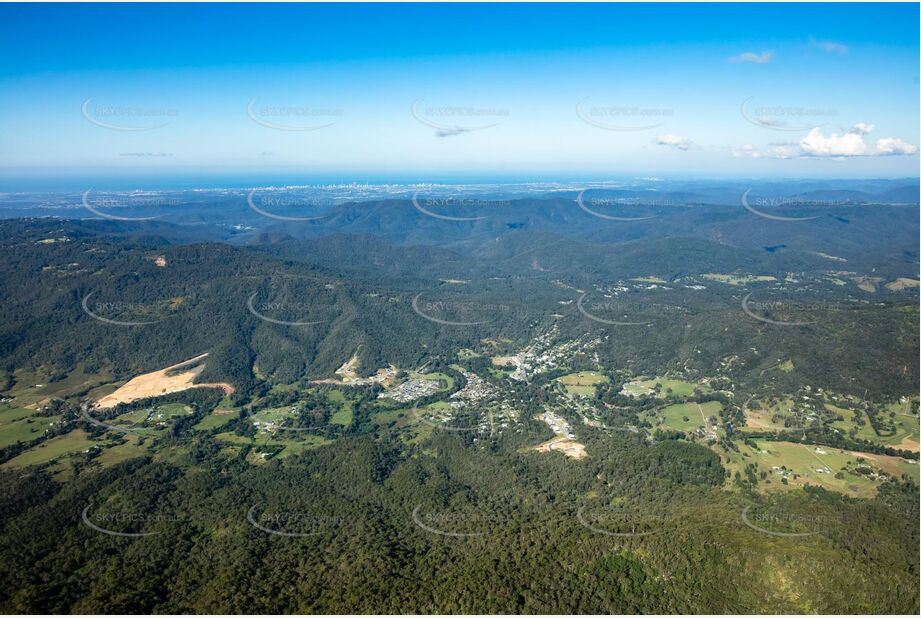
x=168, y=380
x=349, y=375
x=568, y=447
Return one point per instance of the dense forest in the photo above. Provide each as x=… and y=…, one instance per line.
x=378, y=516
x=327, y=299
x=531, y=536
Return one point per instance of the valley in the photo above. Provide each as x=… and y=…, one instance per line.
x=608, y=404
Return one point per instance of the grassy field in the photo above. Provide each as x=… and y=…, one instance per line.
x=865, y=431
x=218, y=418
x=786, y=366
x=344, y=415
x=803, y=464
x=307, y=443
x=74, y=442
x=413, y=427
x=286, y=446
x=908, y=427
x=673, y=417
x=678, y=388
x=390, y=417
x=445, y=382
x=272, y=415
x=287, y=388
x=21, y=425
x=31, y=388
x=737, y=279
x=145, y=420
x=232, y=438
x=583, y=383
x=122, y=452
x=760, y=415
x=854, y=422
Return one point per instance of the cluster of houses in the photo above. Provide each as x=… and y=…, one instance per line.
x=411, y=390
x=542, y=355
x=476, y=389
x=558, y=424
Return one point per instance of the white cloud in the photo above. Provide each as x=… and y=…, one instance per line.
x=773, y=151
x=817, y=145
x=832, y=47
x=894, y=146
x=852, y=144
x=449, y=131
x=848, y=144
x=675, y=141
x=762, y=58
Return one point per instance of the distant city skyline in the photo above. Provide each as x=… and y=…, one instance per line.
x=449, y=92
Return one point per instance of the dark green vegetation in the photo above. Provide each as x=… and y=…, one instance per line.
x=526, y=550
x=359, y=293
x=339, y=500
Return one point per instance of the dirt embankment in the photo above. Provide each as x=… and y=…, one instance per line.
x=172, y=379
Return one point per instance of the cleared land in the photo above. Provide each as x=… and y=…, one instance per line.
x=902, y=283
x=737, y=279
x=570, y=448
x=855, y=474
x=583, y=383
x=31, y=389
x=74, y=442
x=669, y=387
x=171, y=379
x=22, y=425
x=218, y=418
x=687, y=416
x=266, y=445
x=759, y=415
x=344, y=415
x=348, y=375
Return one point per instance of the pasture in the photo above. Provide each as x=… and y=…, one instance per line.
x=583, y=383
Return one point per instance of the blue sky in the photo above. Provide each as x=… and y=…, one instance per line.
x=539, y=90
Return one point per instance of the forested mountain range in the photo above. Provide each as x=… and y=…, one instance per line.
x=307, y=490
